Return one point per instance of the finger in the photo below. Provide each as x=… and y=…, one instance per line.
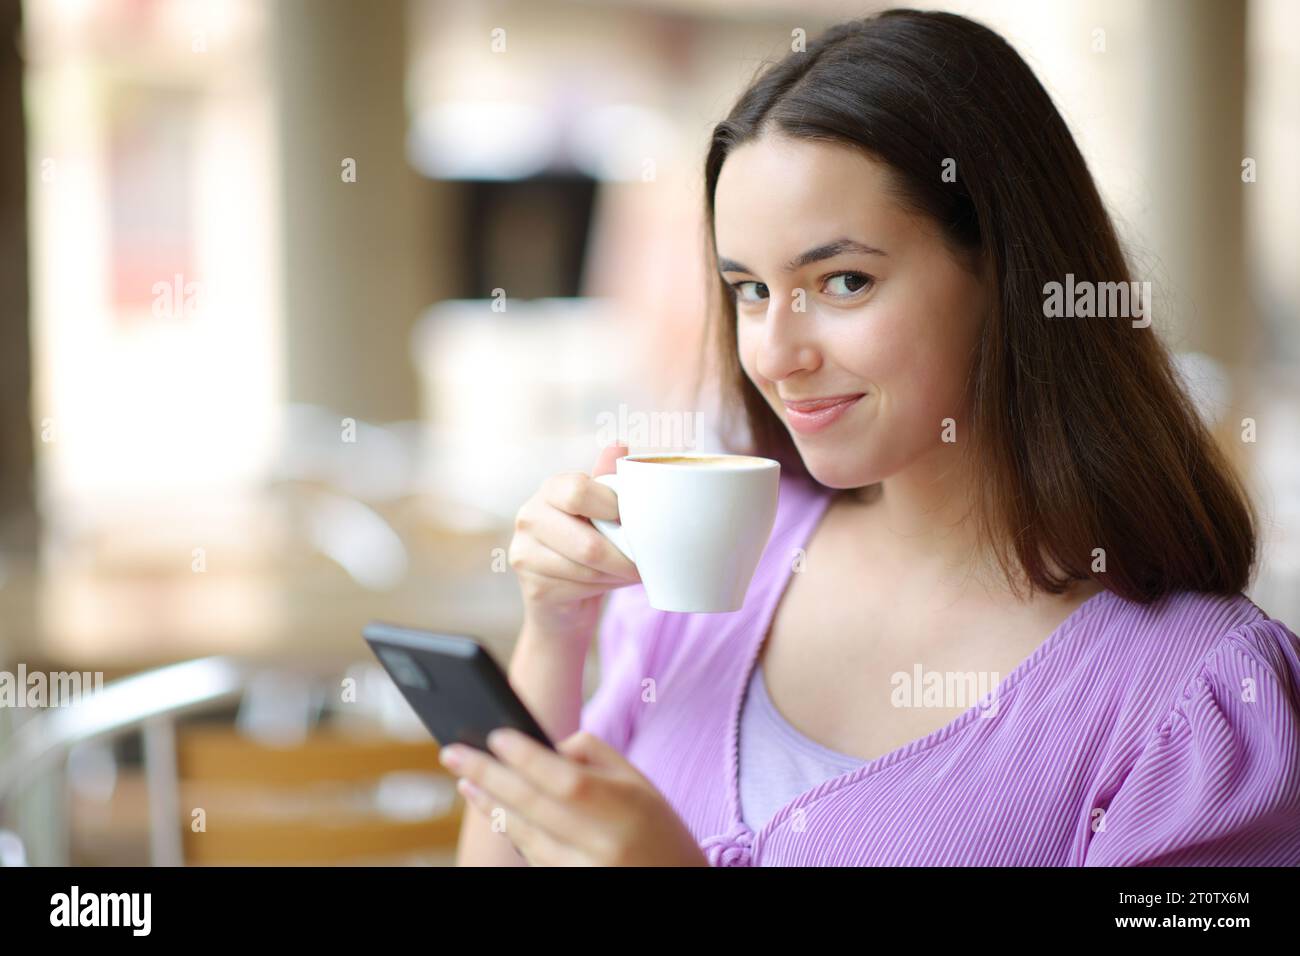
x=540, y=848
x=589, y=750
x=545, y=770
x=532, y=555
x=565, y=597
x=576, y=539
x=534, y=844
x=584, y=746
x=519, y=796
x=577, y=493
x=608, y=456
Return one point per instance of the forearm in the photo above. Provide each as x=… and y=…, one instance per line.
x=546, y=672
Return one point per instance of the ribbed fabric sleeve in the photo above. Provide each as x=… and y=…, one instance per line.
x=1218, y=783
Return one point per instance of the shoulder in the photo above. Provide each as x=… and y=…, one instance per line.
x=1248, y=677
x=1149, y=664
x=1191, y=615
x=1182, y=633
x=1268, y=642
x=1217, y=778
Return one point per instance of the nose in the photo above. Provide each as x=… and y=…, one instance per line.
x=786, y=344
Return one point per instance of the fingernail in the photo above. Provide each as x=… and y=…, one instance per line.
x=449, y=757
x=467, y=789
x=501, y=740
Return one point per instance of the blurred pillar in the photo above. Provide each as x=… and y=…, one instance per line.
x=357, y=255
x=18, y=522
x=1194, y=89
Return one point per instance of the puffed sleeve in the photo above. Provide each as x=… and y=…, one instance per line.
x=628, y=627
x=1218, y=783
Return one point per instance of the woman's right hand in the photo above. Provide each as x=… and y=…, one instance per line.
x=564, y=564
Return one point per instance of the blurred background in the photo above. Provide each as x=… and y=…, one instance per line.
x=303, y=299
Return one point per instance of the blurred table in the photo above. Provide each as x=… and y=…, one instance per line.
x=288, y=603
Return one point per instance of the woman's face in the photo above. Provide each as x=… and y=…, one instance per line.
x=893, y=320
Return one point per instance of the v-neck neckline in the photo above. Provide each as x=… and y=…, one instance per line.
x=741, y=832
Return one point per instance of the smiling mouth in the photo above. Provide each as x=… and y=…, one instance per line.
x=816, y=415
x=817, y=404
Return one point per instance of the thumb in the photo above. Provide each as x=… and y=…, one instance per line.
x=610, y=454
x=586, y=747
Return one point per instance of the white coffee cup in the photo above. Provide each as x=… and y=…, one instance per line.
x=695, y=525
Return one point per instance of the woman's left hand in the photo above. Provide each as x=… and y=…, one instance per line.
x=583, y=806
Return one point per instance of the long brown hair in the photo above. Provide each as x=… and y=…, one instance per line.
x=1082, y=433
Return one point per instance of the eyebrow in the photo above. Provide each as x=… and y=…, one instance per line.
x=828, y=250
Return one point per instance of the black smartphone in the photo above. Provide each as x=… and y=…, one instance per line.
x=455, y=687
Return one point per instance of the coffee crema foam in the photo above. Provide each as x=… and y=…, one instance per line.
x=702, y=461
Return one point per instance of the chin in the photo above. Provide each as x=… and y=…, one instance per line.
x=838, y=473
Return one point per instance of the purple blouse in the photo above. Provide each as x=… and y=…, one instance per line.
x=1158, y=734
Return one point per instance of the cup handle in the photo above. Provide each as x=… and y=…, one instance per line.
x=613, y=530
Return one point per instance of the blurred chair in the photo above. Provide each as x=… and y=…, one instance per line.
x=333, y=798
x=327, y=796
x=33, y=759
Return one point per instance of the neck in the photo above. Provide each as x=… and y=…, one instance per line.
x=925, y=520
x=925, y=514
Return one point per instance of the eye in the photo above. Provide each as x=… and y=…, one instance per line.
x=861, y=279
x=737, y=286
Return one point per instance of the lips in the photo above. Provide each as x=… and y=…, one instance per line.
x=815, y=414
x=817, y=404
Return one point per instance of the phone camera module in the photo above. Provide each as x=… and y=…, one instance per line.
x=404, y=669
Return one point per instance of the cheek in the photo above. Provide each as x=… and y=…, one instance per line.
x=747, y=344
x=918, y=363
x=875, y=348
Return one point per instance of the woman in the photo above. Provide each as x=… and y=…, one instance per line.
x=970, y=487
